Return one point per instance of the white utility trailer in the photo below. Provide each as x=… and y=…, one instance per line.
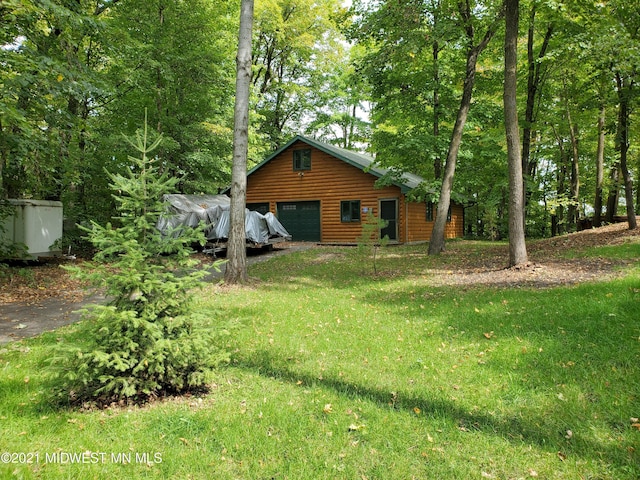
x=36, y=224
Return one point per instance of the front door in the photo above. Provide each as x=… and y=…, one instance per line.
x=389, y=213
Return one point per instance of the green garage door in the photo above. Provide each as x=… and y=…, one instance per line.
x=301, y=219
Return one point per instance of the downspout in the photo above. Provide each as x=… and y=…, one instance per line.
x=464, y=223
x=406, y=219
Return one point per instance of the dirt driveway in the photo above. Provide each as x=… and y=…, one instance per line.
x=43, y=298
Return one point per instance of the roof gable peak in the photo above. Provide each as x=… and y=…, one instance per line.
x=364, y=162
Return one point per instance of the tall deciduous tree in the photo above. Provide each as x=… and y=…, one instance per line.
x=618, y=26
x=517, y=246
x=436, y=244
x=47, y=55
x=77, y=74
x=625, y=86
x=292, y=39
x=536, y=69
x=176, y=60
x=236, y=271
x=597, y=204
x=408, y=48
x=341, y=101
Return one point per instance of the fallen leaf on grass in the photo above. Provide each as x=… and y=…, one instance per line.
x=488, y=335
x=562, y=456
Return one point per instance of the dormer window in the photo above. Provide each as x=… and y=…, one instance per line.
x=302, y=159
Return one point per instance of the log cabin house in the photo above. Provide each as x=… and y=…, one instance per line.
x=323, y=193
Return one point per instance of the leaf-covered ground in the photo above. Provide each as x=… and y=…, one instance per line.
x=568, y=259
x=35, y=283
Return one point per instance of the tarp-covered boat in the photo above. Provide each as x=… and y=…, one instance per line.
x=213, y=210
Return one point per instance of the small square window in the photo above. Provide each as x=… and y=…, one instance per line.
x=350, y=211
x=430, y=210
x=302, y=159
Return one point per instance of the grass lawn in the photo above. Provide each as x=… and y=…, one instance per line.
x=340, y=374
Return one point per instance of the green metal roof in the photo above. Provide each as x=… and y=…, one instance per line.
x=364, y=162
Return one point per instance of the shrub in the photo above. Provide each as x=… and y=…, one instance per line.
x=148, y=340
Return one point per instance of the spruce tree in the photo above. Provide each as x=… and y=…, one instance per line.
x=147, y=340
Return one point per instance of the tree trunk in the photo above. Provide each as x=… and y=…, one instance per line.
x=614, y=192
x=597, y=216
x=625, y=87
x=561, y=191
x=517, y=245
x=159, y=77
x=3, y=160
x=573, y=211
x=558, y=224
x=436, y=243
x=534, y=80
x=236, y=269
x=437, y=162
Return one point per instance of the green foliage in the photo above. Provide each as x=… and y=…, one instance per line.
x=146, y=341
x=176, y=59
x=298, y=59
x=76, y=74
x=369, y=240
x=9, y=250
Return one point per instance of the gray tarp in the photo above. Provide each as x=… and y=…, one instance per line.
x=213, y=210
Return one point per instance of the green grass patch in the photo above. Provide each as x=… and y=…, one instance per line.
x=336, y=374
x=623, y=251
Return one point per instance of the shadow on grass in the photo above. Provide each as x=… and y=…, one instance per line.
x=514, y=429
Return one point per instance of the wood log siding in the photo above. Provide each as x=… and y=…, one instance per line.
x=420, y=230
x=331, y=180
